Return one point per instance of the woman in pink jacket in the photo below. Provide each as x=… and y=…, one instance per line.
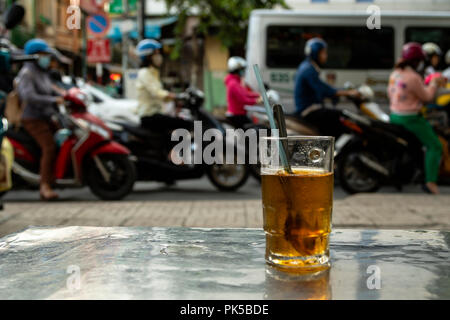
x=238, y=94
x=407, y=94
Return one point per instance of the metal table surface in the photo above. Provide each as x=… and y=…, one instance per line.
x=197, y=263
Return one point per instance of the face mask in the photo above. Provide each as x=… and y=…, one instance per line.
x=242, y=73
x=157, y=60
x=44, y=62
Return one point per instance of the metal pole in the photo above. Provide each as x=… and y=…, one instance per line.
x=84, y=47
x=125, y=47
x=141, y=19
x=126, y=9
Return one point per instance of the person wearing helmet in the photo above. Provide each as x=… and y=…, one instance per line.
x=239, y=94
x=39, y=98
x=310, y=91
x=407, y=93
x=432, y=57
x=151, y=94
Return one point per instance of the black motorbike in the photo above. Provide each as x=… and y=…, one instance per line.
x=151, y=150
x=380, y=153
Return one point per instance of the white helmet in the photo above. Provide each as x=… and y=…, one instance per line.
x=447, y=57
x=236, y=64
x=431, y=48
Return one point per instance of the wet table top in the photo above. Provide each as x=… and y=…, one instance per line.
x=196, y=263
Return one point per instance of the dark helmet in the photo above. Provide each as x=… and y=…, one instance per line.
x=413, y=51
x=313, y=47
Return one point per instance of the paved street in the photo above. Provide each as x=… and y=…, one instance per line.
x=198, y=204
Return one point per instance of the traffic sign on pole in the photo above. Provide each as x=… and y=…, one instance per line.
x=98, y=25
x=98, y=51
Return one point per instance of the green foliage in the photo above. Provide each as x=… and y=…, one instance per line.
x=228, y=19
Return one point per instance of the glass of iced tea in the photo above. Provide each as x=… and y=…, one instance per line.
x=297, y=201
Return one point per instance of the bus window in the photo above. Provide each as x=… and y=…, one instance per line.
x=438, y=35
x=348, y=47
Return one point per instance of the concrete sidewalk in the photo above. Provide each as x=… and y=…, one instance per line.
x=405, y=211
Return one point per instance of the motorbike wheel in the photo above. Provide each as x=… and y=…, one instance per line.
x=228, y=177
x=123, y=176
x=353, y=176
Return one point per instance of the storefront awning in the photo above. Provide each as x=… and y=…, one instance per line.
x=152, y=28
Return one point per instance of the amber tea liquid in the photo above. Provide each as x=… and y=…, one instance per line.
x=297, y=218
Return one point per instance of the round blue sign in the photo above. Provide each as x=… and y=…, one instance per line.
x=98, y=24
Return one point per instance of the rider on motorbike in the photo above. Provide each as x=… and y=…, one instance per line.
x=37, y=92
x=407, y=93
x=432, y=57
x=238, y=93
x=151, y=95
x=310, y=91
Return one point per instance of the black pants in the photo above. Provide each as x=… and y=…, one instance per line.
x=161, y=123
x=327, y=121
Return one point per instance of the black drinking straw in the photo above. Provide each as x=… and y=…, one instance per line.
x=281, y=124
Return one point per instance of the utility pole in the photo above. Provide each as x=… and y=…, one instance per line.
x=141, y=19
x=84, y=47
x=125, y=45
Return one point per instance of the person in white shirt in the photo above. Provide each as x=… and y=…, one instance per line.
x=151, y=95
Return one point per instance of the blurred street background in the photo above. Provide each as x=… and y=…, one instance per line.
x=198, y=37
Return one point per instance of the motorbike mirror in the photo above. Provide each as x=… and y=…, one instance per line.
x=349, y=85
x=13, y=16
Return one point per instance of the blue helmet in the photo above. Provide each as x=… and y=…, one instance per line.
x=147, y=47
x=313, y=47
x=37, y=45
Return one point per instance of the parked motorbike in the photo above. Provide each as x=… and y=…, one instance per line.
x=152, y=155
x=86, y=156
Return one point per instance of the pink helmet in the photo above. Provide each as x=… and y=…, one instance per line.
x=413, y=51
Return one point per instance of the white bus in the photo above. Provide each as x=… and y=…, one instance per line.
x=276, y=40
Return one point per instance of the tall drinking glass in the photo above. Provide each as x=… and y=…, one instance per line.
x=297, y=205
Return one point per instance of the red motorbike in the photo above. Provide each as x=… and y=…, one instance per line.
x=86, y=154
